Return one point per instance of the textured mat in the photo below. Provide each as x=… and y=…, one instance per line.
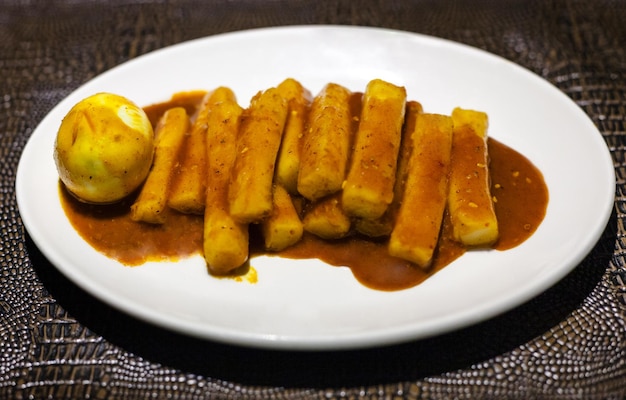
x=58, y=342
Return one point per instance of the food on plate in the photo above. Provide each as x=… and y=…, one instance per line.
x=382, y=226
x=104, y=148
x=289, y=156
x=189, y=181
x=327, y=218
x=283, y=227
x=416, y=231
x=474, y=222
x=368, y=189
x=225, y=240
x=430, y=187
x=258, y=141
x=169, y=138
x=326, y=143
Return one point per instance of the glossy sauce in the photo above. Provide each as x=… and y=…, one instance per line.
x=519, y=191
x=109, y=229
x=520, y=195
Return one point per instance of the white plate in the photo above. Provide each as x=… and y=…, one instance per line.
x=307, y=304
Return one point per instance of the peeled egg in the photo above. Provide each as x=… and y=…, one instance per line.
x=104, y=148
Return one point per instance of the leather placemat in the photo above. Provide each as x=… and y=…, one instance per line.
x=56, y=341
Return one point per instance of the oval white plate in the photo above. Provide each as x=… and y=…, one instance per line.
x=307, y=304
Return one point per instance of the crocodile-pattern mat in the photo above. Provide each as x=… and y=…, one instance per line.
x=58, y=342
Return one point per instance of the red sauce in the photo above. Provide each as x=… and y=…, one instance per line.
x=520, y=194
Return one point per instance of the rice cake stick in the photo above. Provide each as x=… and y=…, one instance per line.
x=383, y=226
x=152, y=200
x=288, y=162
x=417, y=227
x=283, y=227
x=225, y=240
x=260, y=134
x=327, y=142
x=368, y=189
x=327, y=219
x=470, y=204
x=188, y=188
